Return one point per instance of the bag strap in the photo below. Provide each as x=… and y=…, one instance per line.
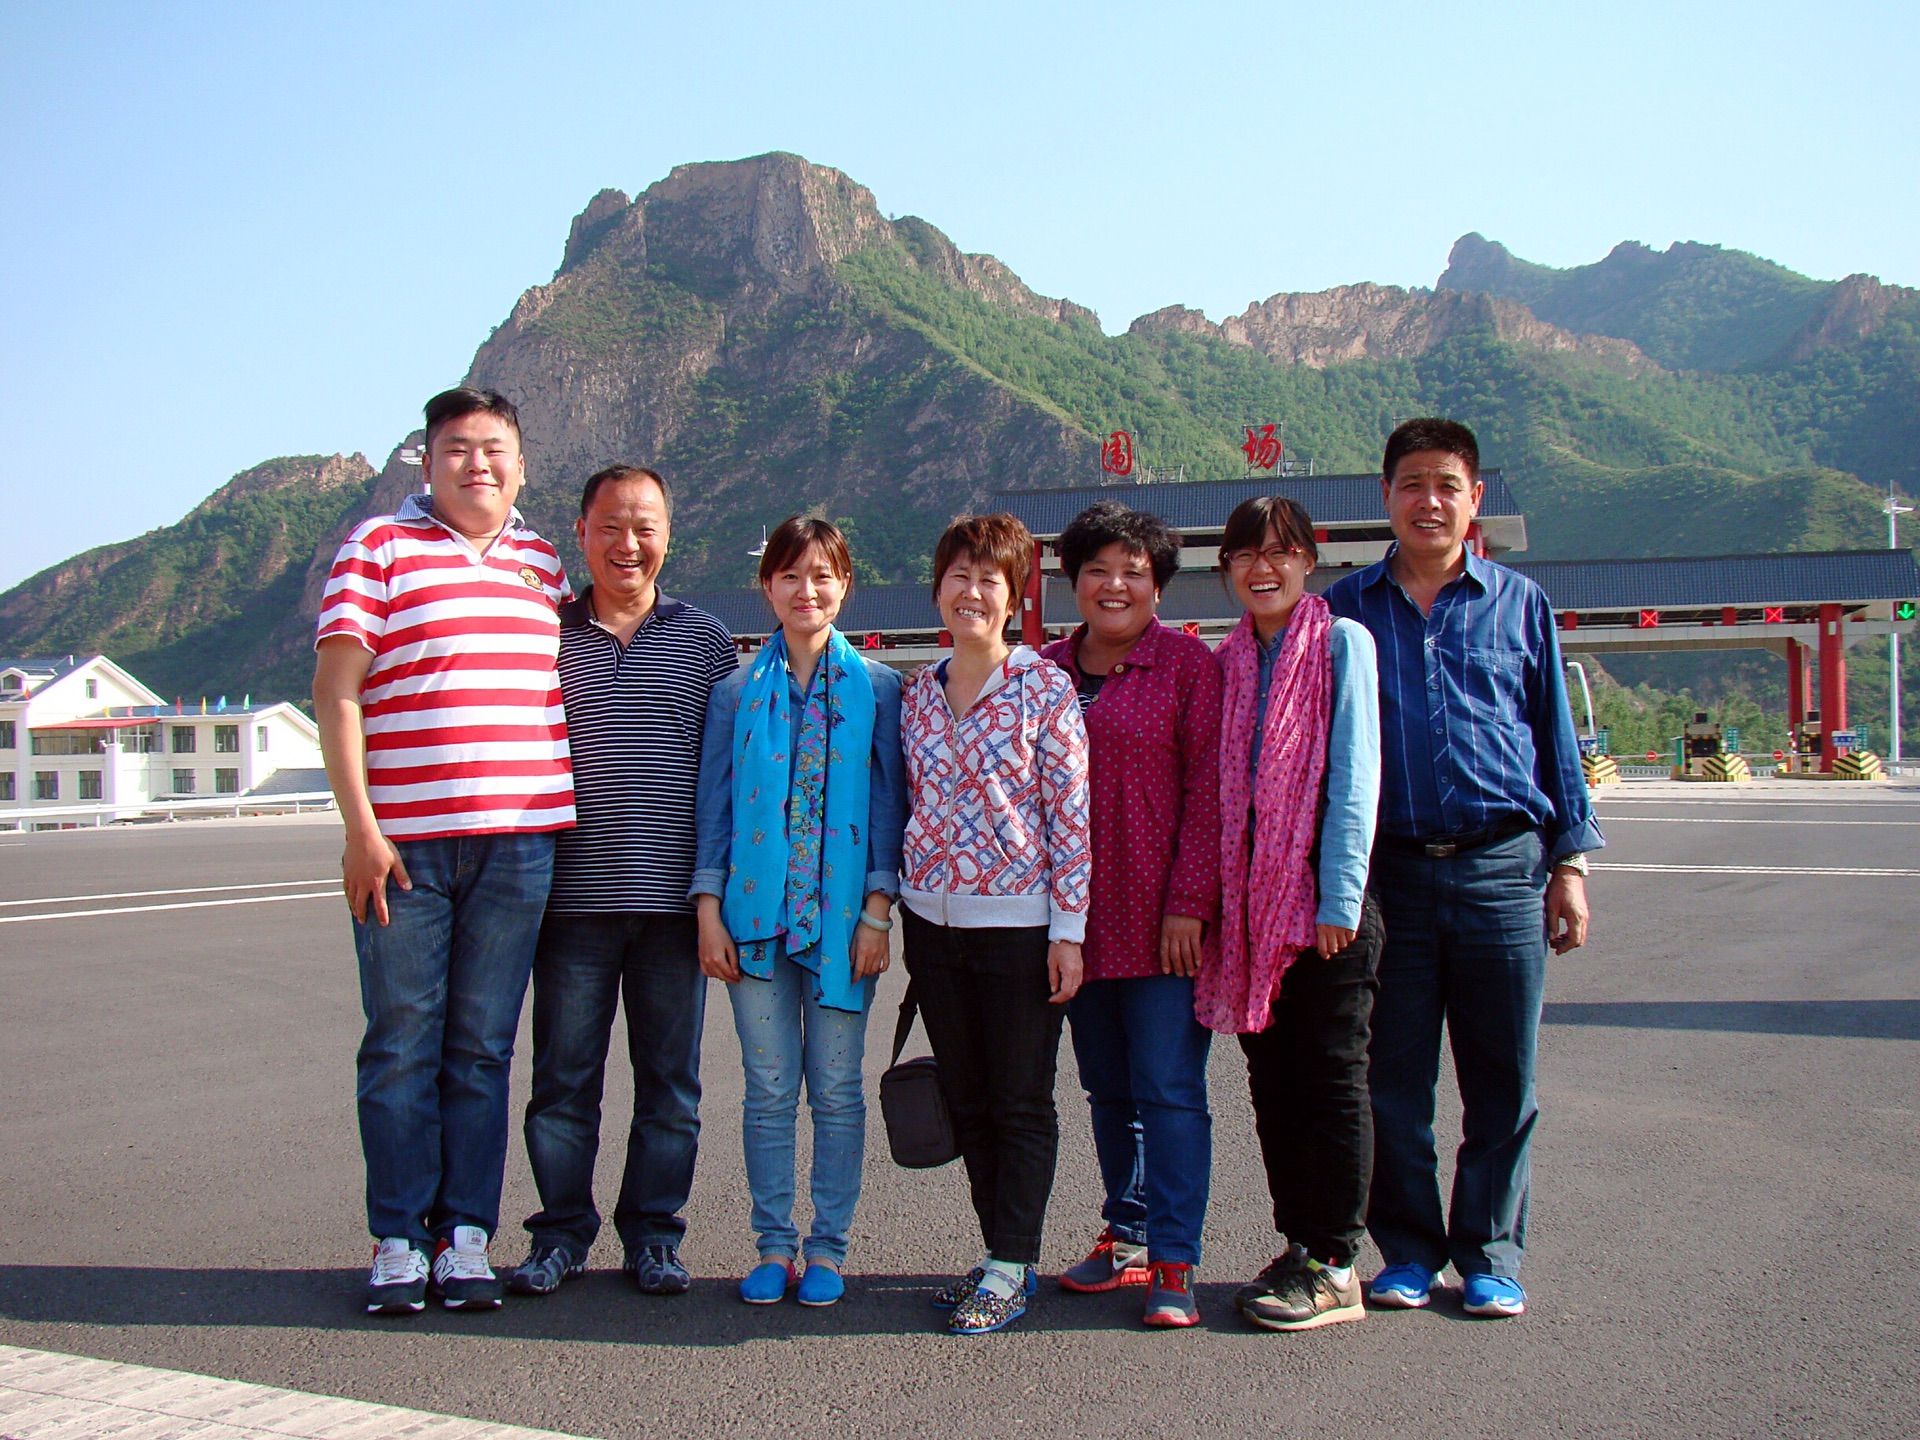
x=908, y=1008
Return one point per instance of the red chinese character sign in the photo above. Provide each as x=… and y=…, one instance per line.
x=1116, y=455
x=1263, y=448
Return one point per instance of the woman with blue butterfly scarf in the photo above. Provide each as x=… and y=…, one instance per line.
x=801, y=808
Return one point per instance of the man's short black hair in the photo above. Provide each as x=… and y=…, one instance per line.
x=1430, y=432
x=464, y=400
x=1107, y=522
x=624, y=472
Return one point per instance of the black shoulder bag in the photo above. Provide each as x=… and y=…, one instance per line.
x=919, y=1130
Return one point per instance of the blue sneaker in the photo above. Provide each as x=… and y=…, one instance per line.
x=821, y=1285
x=767, y=1282
x=1493, y=1296
x=1403, y=1287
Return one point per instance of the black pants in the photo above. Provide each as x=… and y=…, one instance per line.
x=983, y=997
x=1308, y=1074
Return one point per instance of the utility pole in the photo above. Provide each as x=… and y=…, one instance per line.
x=1894, y=509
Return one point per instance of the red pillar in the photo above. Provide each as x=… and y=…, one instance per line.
x=1833, y=684
x=1033, y=629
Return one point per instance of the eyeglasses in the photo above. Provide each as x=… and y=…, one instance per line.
x=1275, y=556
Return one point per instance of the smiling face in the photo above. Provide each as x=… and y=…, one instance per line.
x=1116, y=594
x=624, y=536
x=474, y=468
x=1269, y=582
x=1432, y=499
x=975, y=600
x=807, y=593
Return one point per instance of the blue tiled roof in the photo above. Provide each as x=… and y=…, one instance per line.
x=1205, y=504
x=1696, y=582
x=42, y=664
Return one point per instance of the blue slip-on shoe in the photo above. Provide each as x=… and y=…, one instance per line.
x=767, y=1282
x=821, y=1285
x=657, y=1270
x=1493, y=1296
x=1407, y=1286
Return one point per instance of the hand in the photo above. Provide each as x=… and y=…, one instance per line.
x=1566, y=911
x=1063, y=970
x=1180, y=945
x=719, y=956
x=1330, y=940
x=364, y=867
x=872, y=949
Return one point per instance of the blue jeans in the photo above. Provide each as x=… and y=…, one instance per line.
x=586, y=963
x=1465, y=943
x=1143, y=1060
x=786, y=1033
x=441, y=985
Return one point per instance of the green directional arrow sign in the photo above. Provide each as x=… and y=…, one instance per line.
x=1905, y=610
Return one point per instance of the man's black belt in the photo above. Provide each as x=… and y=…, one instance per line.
x=1439, y=847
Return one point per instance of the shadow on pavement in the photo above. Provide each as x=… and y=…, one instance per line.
x=1847, y=1019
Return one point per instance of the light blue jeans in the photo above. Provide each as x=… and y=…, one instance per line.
x=785, y=1034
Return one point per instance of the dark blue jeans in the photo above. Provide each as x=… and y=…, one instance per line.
x=585, y=965
x=1143, y=1060
x=1465, y=944
x=442, y=985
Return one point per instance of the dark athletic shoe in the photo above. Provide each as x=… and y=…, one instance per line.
x=1307, y=1298
x=1170, y=1302
x=1267, y=1283
x=543, y=1270
x=657, y=1270
x=398, y=1285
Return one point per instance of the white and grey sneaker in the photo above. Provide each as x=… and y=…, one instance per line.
x=462, y=1274
x=398, y=1285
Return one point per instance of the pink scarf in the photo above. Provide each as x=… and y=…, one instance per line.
x=1267, y=908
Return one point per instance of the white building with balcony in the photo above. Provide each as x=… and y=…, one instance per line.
x=79, y=731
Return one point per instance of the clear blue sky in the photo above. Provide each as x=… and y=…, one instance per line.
x=233, y=232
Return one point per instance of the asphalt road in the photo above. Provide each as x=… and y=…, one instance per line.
x=1727, y=1177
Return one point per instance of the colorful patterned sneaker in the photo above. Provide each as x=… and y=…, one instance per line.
x=1306, y=1298
x=1170, y=1303
x=1268, y=1282
x=657, y=1270
x=1111, y=1263
x=1492, y=1296
x=768, y=1282
x=544, y=1269
x=462, y=1274
x=821, y=1285
x=1407, y=1286
x=983, y=1312
x=948, y=1297
x=398, y=1285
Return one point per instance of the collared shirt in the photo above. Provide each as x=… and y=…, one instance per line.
x=636, y=714
x=465, y=734
x=1153, y=734
x=886, y=781
x=1350, y=789
x=1474, y=724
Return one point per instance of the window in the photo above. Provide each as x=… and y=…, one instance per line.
x=89, y=784
x=7, y=741
x=46, y=784
x=140, y=740
x=93, y=689
x=9, y=682
x=226, y=782
x=261, y=745
x=183, y=782
x=69, y=742
x=226, y=739
x=6, y=786
x=183, y=740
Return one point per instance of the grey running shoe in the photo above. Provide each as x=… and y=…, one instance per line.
x=543, y=1271
x=398, y=1285
x=657, y=1270
x=1267, y=1283
x=1111, y=1263
x=1306, y=1298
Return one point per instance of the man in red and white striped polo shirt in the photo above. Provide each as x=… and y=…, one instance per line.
x=446, y=745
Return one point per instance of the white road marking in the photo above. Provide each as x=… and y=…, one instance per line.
x=150, y=894
x=1751, y=870
x=334, y=894
x=49, y=1396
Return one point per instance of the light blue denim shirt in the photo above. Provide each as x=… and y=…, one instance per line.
x=1352, y=782
x=887, y=781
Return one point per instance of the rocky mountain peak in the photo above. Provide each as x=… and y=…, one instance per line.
x=315, y=474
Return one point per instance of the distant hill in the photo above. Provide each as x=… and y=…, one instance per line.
x=765, y=335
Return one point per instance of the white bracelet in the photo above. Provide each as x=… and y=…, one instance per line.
x=873, y=924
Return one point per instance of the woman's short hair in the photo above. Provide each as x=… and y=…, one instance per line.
x=788, y=542
x=1250, y=521
x=1110, y=523
x=998, y=540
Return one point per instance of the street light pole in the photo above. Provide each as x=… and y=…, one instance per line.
x=1894, y=509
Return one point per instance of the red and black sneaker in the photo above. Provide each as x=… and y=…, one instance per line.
x=1170, y=1303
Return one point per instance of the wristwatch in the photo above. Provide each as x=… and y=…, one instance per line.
x=1575, y=862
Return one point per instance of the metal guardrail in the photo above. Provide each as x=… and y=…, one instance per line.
x=165, y=810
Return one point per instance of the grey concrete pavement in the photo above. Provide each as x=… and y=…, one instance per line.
x=1723, y=1237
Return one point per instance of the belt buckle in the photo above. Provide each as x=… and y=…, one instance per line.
x=1441, y=849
